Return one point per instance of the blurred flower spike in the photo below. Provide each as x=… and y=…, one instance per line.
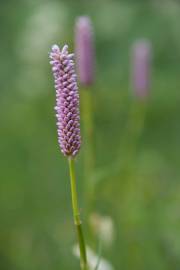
x=84, y=44
x=141, y=68
x=103, y=227
x=67, y=100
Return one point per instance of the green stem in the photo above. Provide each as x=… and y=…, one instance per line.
x=76, y=215
x=87, y=109
x=89, y=157
x=129, y=142
x=134, y=129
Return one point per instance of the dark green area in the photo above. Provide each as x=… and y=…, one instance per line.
x=143, y=196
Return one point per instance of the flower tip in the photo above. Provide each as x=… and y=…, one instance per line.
x=55, y=47
x=65, y=49
x=83, y=20
x=143, y=47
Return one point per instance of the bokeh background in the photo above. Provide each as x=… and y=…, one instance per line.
x=36, y=227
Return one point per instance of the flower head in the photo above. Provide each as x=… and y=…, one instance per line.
x=67, y=100
x=141, y=65
x=84, y=50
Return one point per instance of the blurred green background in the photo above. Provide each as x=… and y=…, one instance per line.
x=36, y=228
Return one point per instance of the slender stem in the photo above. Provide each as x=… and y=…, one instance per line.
x=89, y=157
x=134, y=128
x=129, y=142
x=76, y=215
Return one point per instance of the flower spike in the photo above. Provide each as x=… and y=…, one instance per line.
x=67, y=100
